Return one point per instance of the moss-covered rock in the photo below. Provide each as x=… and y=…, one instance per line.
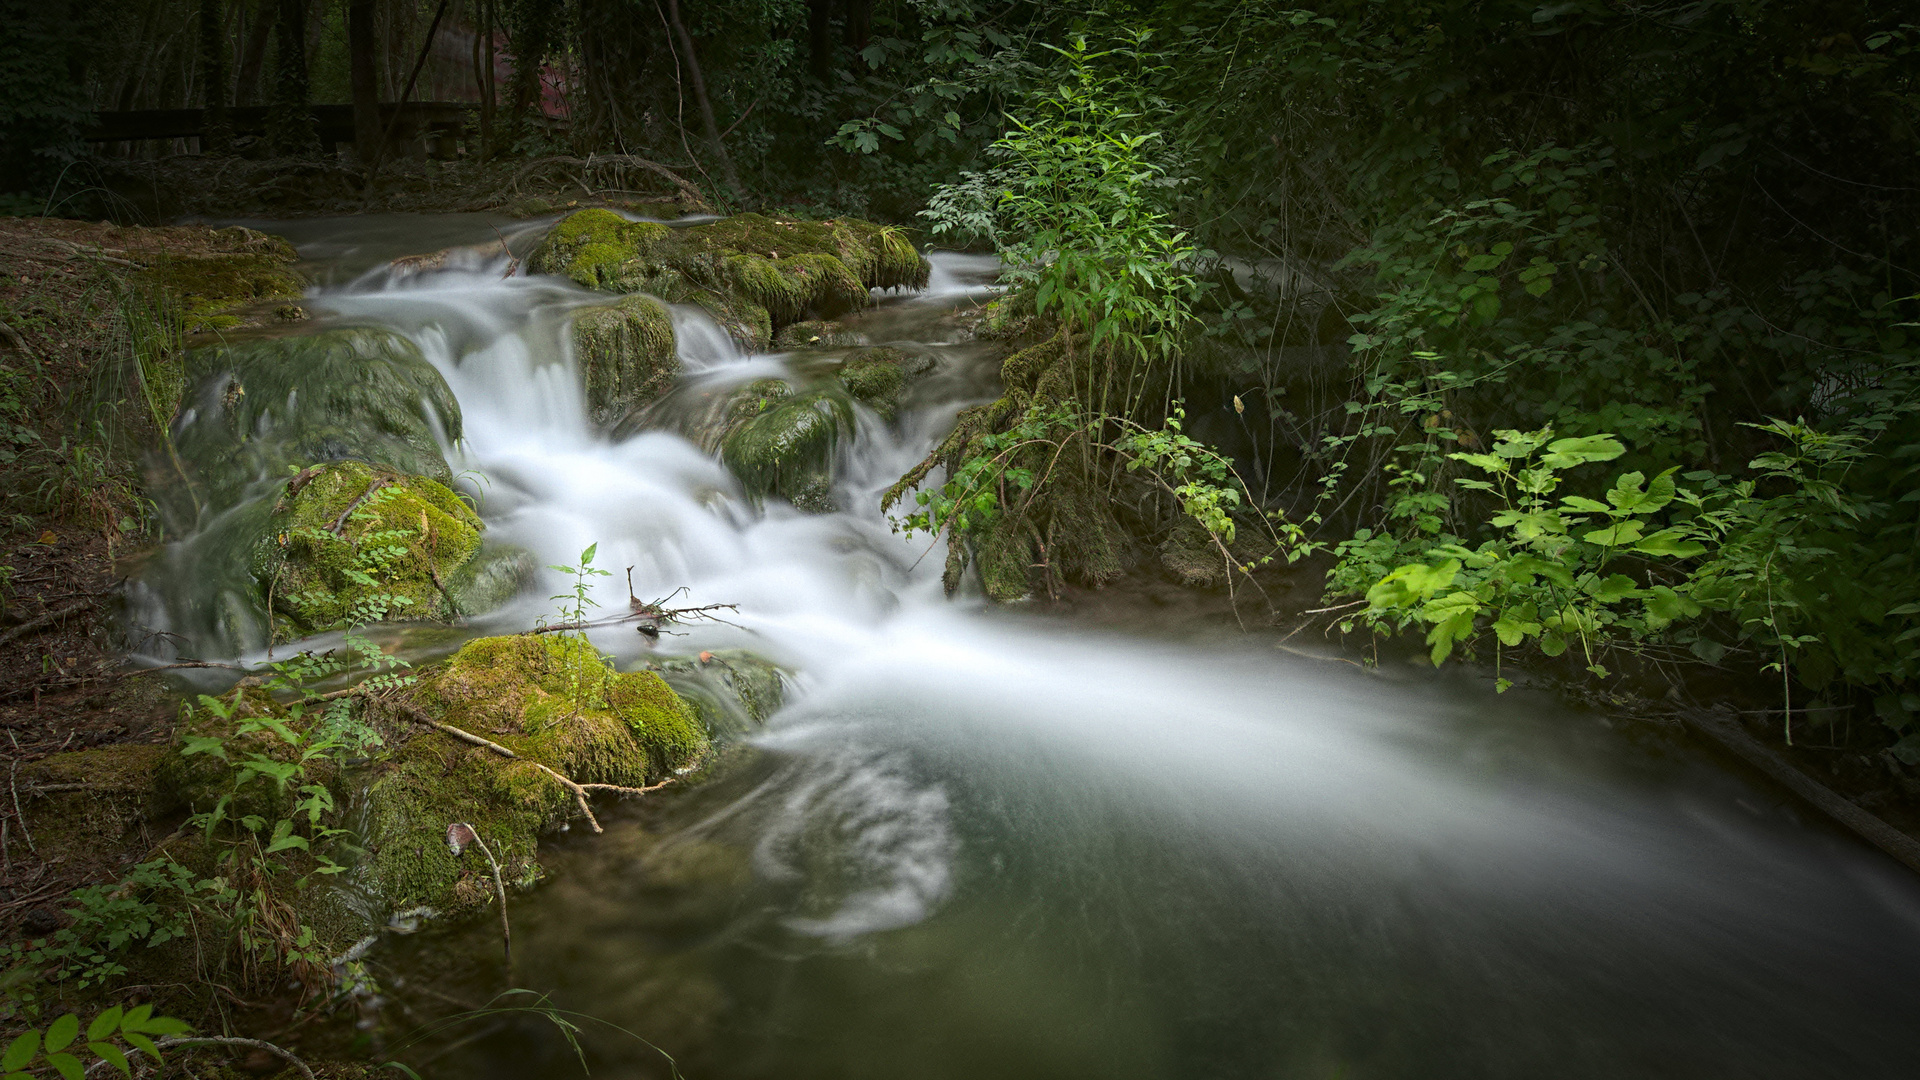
x=793, y=270
x=81, y=806
x=552, y=699
x=256, y=408
x=245, y=267
x=626, y=355
x=780, y=442
x=817, y=334
x=878, y=377
x=350, y=543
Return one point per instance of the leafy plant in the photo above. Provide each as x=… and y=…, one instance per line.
x=108, y=1038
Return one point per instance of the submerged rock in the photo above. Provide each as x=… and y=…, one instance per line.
x=733, y=691
x=626, y=355
x=351, y=544
x=553, y=700
x=257, y=408
x=739, y=267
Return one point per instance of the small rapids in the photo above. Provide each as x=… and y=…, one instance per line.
x=982, y=843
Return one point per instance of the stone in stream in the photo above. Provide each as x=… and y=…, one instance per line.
x=257, y=408
x=818, y=334
x=879, y=376
x=552, y=699
x=625, y=353
x=754, y=273
x=782, y=442
x=350, y=544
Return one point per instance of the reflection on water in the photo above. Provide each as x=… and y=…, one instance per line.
x=980, y=844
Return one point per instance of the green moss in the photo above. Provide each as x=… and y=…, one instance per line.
x=207, y=284
x=260, y=407
x=122, y=790
x=625, y=354
x=879, y=376
x=791, y=269
x=552, y=699
x=783, y=444
x=353, y=540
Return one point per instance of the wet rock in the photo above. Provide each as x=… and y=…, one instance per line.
x=782, y=443
x=732, y=691
x=245, y=268
x=625, y=353
x=255, y=409
x=791, y=270
x=878, y=377
x=350, y=543
x=552, y=699
x=818, y=334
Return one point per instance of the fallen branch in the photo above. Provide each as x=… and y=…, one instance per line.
x=227, y=1040
x=646, y=611
x=341, y=521
x=419, y=715
x=183, y=664
x=46, y=619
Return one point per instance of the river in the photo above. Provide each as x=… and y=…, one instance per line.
x=994, y=843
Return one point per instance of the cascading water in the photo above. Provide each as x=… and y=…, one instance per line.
x=979, y=844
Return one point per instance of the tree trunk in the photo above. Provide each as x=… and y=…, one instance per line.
x=363, y=73
x=819, y=38
x=290, y=127
x=216, y=132
x=700, y=97
x=859, y=28
x=259, y=29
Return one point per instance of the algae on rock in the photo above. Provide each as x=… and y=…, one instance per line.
x=250, y=267
x=782, y=443
x=625, y=353
x=255, y=408
x=550, y=698
x=877, y=377
x=351, y=544
x=749, y=263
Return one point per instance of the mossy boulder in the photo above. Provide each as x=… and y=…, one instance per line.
x=350, y=543
x=792, y=270
x=552, y=699
x=625, y=353
x=245, y=267
x=878, y=377
x=817, y=334
x=255, y=408
x=782, y=442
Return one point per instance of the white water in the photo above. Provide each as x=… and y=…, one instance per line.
x=1321, y=831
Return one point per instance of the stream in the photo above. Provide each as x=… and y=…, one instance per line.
x=987, y=842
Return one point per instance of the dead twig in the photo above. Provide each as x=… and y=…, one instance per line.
x=227, y=1040
x=420, y=716
x=459, y=835
x=13, y=774
x=43, y=620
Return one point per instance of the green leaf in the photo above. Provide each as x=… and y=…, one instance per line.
x=203, y=744
x=1501, y=686
x=1553, y=642
x=1411, y=585
x=1710, y=651
x=1620, y=534
x=1488, y=462
x=166, y=1025
x=141, y=1043
x=135, y=1017
x=20, y=1051
x=112, y=1055
x=1524, y=568
x=62, y=1032
x=1615, y=588
x=67, y=1066
x=1566, y=453
x=1664, y=605
x=1670, y=544
x=1584, y=505
x=1512, y=631
x=105, y=1024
